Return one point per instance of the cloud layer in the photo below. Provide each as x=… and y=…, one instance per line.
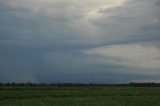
x=79, y=40
x=143, y=57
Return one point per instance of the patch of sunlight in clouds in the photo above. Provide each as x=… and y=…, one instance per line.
x=146, y=57
x=100, y=7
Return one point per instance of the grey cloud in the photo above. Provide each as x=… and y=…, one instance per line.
x=157, y=3
x=16, y=71
x=41, y=40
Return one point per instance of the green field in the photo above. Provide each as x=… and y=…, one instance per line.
x=79, y=96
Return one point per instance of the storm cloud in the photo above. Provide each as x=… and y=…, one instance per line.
x=79, y=41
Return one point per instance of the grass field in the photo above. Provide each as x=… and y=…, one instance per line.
x=79, y=96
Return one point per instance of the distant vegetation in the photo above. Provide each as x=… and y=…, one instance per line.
x=134, y=84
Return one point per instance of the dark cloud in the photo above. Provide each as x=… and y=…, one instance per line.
x=157, y=3
x=44, y=41
x=16, y=71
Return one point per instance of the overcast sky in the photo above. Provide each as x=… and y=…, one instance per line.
x=100, y=41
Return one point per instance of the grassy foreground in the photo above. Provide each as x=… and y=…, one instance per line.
x=79, y=96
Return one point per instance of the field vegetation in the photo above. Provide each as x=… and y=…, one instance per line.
x=79, y=96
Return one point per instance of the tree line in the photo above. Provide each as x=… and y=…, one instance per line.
x=30, y=84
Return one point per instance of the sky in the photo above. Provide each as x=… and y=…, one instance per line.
x=80, y=41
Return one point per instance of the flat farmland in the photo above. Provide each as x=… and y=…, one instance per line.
x=80, y=96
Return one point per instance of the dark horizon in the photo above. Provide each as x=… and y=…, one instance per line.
x=30, y=84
